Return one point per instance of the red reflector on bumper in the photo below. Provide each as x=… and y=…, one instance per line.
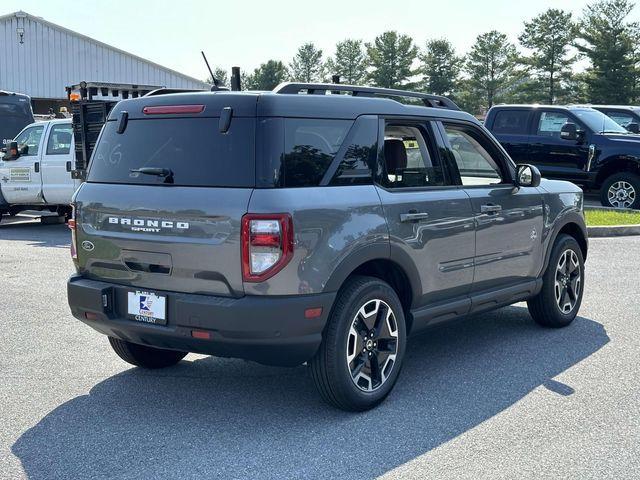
x=201, y=334
x=313, y=312
x=90, y=316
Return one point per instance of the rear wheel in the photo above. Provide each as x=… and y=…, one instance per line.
x=558, y=302
x=143, y=356
x=361, y=354
x=621, y=190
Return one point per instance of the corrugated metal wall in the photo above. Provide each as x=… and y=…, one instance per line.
x=51, y=58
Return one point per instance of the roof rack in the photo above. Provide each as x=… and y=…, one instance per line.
x=434, y=101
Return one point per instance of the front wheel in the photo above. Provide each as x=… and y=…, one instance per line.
x=143, y=356
x=361, y=354
x=558, y=302
x=621, y=190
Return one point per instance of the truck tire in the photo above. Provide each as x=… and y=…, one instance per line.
x=364, y=343
x=621, y=190
x=143, y=356
x=558, y=302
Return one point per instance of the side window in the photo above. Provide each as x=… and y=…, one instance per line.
x=309, y=147
x=622, y=119
x=60, y=139
x=408, y=158
x=551, y=123
x=475, y=165
x=360, y=154
x=511, y=122
x=31, y=137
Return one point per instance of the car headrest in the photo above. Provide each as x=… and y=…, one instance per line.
x=395, y=155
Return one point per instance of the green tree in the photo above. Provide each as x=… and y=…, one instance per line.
x=350, y=62
x=391, y=57
x=221, y=75
x=441, y=67
x=267, y=76
x=549, y=36
x=307, y=65
x=605, y=37
x=491, y=66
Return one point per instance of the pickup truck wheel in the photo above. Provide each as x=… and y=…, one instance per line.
x=558, y=302
x=621, y=190
x=143, y=356
x=361, y=354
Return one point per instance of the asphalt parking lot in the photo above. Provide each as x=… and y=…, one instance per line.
x=493, y=396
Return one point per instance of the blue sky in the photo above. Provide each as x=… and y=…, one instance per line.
x=247, y=33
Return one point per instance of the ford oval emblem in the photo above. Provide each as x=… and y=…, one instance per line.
x=88, y=246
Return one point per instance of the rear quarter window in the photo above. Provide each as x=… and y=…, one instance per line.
x=193, y=149
x=511, y=122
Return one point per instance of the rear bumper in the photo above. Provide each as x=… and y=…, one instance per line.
x=270, y=330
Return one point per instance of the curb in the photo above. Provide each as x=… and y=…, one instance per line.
x=613, y=231
x=611, y=209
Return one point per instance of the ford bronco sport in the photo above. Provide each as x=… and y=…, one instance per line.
x=317, y=224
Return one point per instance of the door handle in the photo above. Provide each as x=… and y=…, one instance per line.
x=490, y=208
x=413, y=217
x=36, y=167
x=69, y=166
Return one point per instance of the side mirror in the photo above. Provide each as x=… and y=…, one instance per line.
x=569, y=131
x=527, y=176
x=633, y=127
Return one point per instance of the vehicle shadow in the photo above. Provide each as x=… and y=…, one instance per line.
x=234, y=419
x=40, y=235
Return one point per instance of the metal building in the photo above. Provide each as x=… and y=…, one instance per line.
x=40, y=58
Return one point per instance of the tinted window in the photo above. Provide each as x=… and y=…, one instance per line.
x=31, y=137
x=511, y=122
x=309, y=147
x=474, y=162
x=598, y=121
x=622, y=119
x=409, y=159
x=356, y=165
x=60, y=139
x=191, y=148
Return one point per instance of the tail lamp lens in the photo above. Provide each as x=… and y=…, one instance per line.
x=72, y=226
x=267, y=245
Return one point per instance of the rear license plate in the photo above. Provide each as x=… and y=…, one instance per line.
x=147, y=307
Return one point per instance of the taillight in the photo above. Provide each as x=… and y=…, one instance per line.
x=267, y=245
x=172, y=109
x=72, y=227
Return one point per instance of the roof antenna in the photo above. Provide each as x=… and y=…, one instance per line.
x=216, y=82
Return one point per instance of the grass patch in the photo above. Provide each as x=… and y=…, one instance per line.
x=596, y=218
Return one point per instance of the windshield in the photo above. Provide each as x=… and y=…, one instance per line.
x=15, y=114
x=598, y=121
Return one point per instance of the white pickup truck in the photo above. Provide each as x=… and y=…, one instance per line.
x=38, y=176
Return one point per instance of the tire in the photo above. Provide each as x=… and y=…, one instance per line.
x=621, y=190
x=143, y=356
x=546, y=308
x=358, y=313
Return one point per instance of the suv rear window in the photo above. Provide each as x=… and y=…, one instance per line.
x=192, y=148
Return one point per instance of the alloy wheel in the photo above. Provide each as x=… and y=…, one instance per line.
x=372, y=345
x=621, y=194
x=568, y=279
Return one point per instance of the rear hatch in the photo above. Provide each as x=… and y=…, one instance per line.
x=164, y=199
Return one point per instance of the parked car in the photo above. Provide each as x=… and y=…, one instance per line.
x=626, y=116
x=15, y=114
x=579, y=144
x=294, y=226
x=36, y=173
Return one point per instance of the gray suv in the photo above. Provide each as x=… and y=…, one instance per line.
x=317, y=224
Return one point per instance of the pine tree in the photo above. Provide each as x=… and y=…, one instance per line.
x=307, y=65
x=549, y=36
x=350, y=62
x=391, y=57
x=440, y=67
x=267, y=76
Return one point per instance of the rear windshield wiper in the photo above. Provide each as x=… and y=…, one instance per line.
x=158, y=172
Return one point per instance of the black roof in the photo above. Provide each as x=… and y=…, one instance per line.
x=272, y=104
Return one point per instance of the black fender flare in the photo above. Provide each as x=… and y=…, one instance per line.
x=570, y=217
x=377, y=251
